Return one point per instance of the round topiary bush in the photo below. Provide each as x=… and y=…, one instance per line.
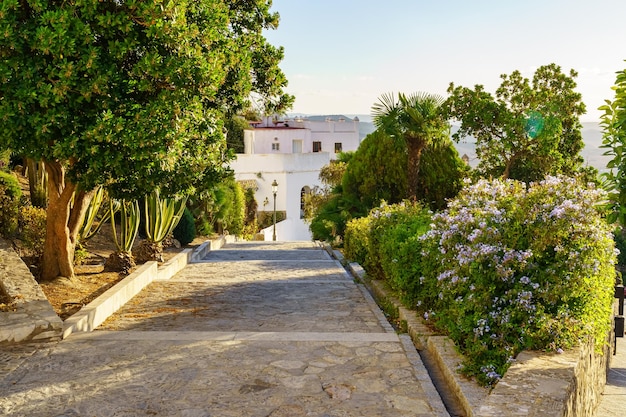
x=185, y=230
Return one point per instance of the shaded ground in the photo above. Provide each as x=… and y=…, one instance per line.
x=68, y=296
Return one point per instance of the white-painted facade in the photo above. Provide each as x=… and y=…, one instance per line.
x=292, y=152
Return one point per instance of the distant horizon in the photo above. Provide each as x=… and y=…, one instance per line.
x=591, y=131
x=368, y=118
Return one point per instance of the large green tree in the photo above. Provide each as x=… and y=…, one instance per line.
x=530, y=129
x=415, y=119
x=129, y=94
x=614, y=124
x=377, y=171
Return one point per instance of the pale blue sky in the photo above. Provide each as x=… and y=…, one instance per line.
x=341, y=55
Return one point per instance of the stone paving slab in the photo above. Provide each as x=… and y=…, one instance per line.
x=294, y=337
x=229, y=272
x=613, y=399
x=94, y=377
x=266, y=306
x=268, y=254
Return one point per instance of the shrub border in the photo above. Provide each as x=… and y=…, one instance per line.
x=538, y=383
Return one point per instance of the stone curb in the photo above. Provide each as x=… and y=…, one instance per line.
x=467, y=392
x=538, y=383
x=34, y=318
x=442, y=349
x=95, y=313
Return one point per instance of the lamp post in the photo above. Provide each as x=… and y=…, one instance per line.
x=274, y=191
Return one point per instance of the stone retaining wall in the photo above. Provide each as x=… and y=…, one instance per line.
x=34, y=318
x=538, y=384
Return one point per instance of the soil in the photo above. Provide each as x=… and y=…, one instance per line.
x=67, y=296
x=6, y=302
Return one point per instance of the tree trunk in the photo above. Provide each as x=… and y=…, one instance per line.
x=414, y=148
x=64, y=217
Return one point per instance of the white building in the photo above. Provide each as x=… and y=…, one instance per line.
x=292, y=152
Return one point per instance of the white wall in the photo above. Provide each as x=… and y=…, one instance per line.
x=292, y=172
x=259, y=140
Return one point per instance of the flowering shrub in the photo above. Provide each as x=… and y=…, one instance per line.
x=516, y=267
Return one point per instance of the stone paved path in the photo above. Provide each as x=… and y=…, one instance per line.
x=613, y=399
x=258, y=329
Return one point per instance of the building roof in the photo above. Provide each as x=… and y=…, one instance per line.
x=329, y=117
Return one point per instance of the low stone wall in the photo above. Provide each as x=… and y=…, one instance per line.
x=538, y=383
x=34, y=318
x=567, y=384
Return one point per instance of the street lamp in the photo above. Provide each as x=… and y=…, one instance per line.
x=274, y=191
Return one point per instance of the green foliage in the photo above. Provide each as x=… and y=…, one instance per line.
x=162, y=214
x=130, y=94
x=613, y=122
x=251, y=206
x=417, y=120
x=516, y=267
x=399, y=250
x=441, y=175
x=5, y=160
x=377, y=171
x=32, y=229
x=185, y=231
x=386, y=244
x=95, y=217
x=10, y=194
x=528, y=130
x=220, y=209
x=251, y=225
x=355, y=241
x=330, y=222
x=129, y=215
x=330, y=177
x=266, y=218
x=619, y=236
x=235, y=127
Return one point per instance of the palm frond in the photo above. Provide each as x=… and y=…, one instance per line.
x=385, y=110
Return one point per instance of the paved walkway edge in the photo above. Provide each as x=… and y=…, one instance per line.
x=468, y=394
x=96, y=312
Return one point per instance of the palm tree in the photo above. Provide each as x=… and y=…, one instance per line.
x=416, y=119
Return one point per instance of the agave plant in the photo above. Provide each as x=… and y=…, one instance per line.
x=122, y=259
x=37, y=182
x=87, y=230
x=162, y=214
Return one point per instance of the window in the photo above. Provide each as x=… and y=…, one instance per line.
x=317, y=146
x=276, y=146
x=338, y=147
x=296, y=146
